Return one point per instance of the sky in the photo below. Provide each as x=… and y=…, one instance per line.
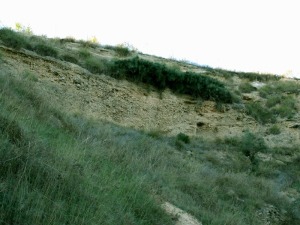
x=242, y=35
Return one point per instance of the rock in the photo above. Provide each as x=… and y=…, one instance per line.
x=257, y=84
x=295, y=126
x=269, y=214
x=181, y=217
x=247, y=97
x=78, y=80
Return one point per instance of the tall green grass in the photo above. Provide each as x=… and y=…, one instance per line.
x=58, y=168
x=52, y=174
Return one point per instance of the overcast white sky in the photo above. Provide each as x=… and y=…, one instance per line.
x=242, y=35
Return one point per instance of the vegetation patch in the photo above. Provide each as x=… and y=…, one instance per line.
x=122, y=50
x=275, y=130
x=243, y=75
x=84, y=53
x=282, y=87
x=96, y=65
x=161, y=77
x=13, y=39
x=45, y=50
x=246, y=87
x=260, y=113
x=69, y=58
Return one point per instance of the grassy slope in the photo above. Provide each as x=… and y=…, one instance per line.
x=65, y=169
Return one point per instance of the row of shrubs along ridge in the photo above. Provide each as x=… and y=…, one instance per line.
x=160, y=76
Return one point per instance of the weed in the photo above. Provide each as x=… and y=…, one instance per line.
x=275, y=130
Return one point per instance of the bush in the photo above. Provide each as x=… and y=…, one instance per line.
x=122, y=51
x=282, y=105
x=183, y=138
x=243, y=75
x=69, y=58
x=88, y=44
x=246, y=88
x=96, y=65
x=251, y=144
x=280, y=87
x=45, y=50
x=260, y=113
x=275, y=129
x=67, y=39
x=161, y=77
x=12, y=39
x=84, y=53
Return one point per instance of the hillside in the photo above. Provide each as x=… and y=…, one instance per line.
x=106, y=135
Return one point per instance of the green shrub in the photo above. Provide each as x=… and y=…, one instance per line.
x=243, y=75
x=260, y=113
x=251, y=144
x=275, y=129
x=84, y=53
x=183, y=137
x=122, y=51
x=67, y=39
x=88, y=44
x=13, y=39
x=273, y=100
x=282, y=105
x=280, y=87
x=96, y=65
x=161, y=77
x=287, y=109
x=45, y=50
x=246, y=88
x=69, y=58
